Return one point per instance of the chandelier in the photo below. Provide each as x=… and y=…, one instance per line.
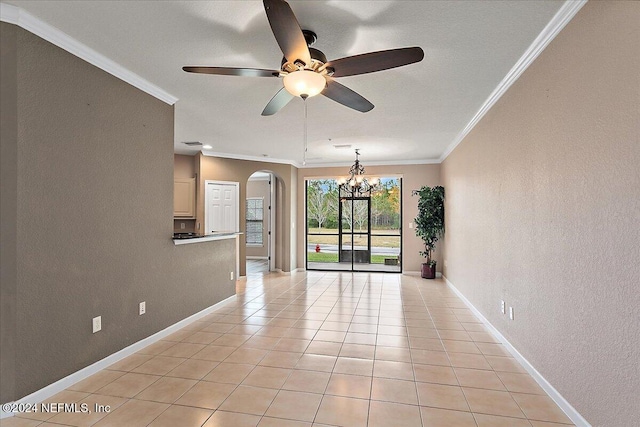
x=357, y=184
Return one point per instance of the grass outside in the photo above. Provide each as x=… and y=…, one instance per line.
x=378, y=241
x=329, y=257
x=335, y=231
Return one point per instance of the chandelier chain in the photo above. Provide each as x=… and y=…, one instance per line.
x=304, y=154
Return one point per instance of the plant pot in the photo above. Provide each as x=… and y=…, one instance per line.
x=428, y=272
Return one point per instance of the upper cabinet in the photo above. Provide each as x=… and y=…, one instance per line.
x=184, y=197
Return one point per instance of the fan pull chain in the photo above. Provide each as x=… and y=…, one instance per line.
x=304, y=154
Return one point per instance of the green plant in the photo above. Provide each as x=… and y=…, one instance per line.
x=430, y=219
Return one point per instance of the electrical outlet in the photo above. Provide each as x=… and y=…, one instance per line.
x=502, y=307
x=182, y=226
x=445, y=262
x=143, y=308
x=511, y=313
x=231, y=275
x=97, y=324
x=410, y=225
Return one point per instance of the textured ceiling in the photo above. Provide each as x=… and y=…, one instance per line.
x=419, y=109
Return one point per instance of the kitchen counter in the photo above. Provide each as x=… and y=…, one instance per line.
x=199, y=238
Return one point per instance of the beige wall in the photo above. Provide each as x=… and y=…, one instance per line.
x=543, y=211
x=262, y=189
x=8, y=209
x=413, y=177
x=87, y=211
x=184, y=167
x=221, y=169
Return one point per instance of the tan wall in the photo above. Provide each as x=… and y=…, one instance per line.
x=543, y=211
x=184, y=167
x=92, y=157
x=413, y=177
x=8, y=209
x=221, y=169
x=260, y=188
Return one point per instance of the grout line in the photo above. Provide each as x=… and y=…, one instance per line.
x=415, y=381
x=447, y=354
x=286, y=295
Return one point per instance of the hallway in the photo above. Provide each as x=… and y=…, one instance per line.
x=321, y=349
x=257, y=266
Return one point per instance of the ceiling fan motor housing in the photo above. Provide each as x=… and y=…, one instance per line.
x=310, y=37
x=318, y=59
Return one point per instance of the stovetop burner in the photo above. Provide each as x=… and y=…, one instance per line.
x=185, y=235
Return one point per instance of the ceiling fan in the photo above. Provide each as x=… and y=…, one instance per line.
x=306, y=71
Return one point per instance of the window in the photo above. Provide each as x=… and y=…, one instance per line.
x=255, y=215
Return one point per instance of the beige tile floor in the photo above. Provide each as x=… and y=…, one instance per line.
x=319, y=349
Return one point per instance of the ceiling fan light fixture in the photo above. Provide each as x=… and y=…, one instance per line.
x=304, y=83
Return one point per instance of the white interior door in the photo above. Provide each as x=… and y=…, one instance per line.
x=221, y=206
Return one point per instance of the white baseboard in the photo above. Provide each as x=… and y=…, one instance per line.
x=256, y=257
x=566, y=407
x=418, y=273
x=287, y=273
x=68, y=381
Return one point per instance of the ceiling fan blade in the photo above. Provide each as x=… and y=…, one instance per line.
x=287, y=31
x=375, y=61
x=231, y=71
x=345, y=96
x=278, y=101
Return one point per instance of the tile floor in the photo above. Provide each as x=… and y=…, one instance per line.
x=257, y=266
x=319, y=349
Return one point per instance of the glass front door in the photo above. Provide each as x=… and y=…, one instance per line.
x=353, y=233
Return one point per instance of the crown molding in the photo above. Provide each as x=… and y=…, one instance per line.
x=14, y=15
x=550, y=31
x=315, y=165
x=260, y=159
x=373, y=163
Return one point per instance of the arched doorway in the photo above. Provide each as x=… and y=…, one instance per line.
x=260, y=226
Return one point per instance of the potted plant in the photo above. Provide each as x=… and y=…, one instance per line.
x=429, y=224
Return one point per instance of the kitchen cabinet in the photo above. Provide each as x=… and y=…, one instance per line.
x=184, y=197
